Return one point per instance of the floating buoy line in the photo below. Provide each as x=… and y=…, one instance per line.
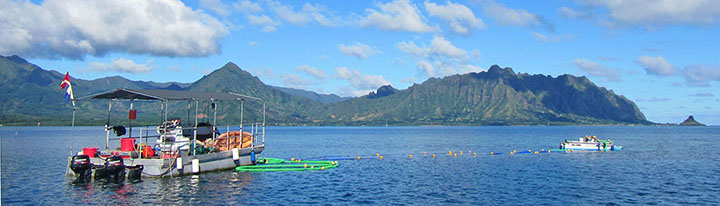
x=329, y=162
x=277, y=165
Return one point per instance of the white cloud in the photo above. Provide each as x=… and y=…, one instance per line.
x=543, y=38
x=269, y=25
x=398, y=15
x=246, y=6
x=253, y=43
x=514, y=17
x=358, y=50
x=649, y=12
x=75, y=28
x=216, y=6
x=119, y=65
x=460, y=17
x=312, y=71
x=695, y=75
x=572, y=13
x=361, y=83
x=308, y=14
x=440, y=46
x=448, y=59
x=426, y=67
x=701, y=75
x=595, y=69
x=656, y=66
x=294, y=81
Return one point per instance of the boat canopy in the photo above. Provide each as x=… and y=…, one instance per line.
x=164, y=95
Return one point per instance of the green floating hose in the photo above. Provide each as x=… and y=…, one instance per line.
x=278, y=165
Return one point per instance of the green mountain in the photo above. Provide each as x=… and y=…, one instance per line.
x=690, y=121
x=498, y=96
x=322, y=98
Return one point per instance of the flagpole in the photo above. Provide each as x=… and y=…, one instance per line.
x=72, y=130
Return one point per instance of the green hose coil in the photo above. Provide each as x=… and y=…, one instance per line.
x=278, y=165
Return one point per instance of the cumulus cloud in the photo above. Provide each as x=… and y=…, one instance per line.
x=312, y=71
x=74, y=29
x=246, y=6
x=269, y=25
x=694, y=75
x=597, y=70
x=361, y=83
x=576, y=14
x=426, y=67
x=294, y=81
x=309, y=13
x=514, y=17
x=461, y=19
x=358, y=50
x=216, y=6
x=543, y=38
x=701, y=75
x=119, y=65
x=643, y=12
x=398, y=15
x=656, y=66
x=447, y=58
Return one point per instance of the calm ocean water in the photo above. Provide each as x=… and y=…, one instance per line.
x=657, y=166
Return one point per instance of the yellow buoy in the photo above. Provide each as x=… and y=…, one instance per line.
x=381, y=157
x=455, y=155
x=536, y=152
x=514, y=151
x=377, y=154
x=529, y=150
x=474, y=154
x=305, y=165
x=358, y=157
x=492, y=153
x=322, y=168
x=312, y=166
x=548, y=151
x=292, y=159
x=410, y=156
x=460, y=152
x=433, y=155
x=449, y=152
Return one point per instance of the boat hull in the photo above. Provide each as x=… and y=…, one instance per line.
x=216, y=161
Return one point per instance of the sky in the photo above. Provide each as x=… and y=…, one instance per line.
x=663, y=55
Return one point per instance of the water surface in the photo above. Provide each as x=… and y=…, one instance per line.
x=658, y=165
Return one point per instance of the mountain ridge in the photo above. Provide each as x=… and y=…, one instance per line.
x=497, y=96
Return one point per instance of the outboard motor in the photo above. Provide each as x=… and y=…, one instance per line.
x=134, y=172
x=115, y=168
x=82, y=167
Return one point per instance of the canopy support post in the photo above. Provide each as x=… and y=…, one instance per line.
x=195, y=128
x=107, y=126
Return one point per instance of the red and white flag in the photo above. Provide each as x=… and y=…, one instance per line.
x=65, y=84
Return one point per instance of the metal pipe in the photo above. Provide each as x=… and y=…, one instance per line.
x=263, y=125
x=72, y=130
x=214, y=128
x=130, y=120
x=242, y=110
x=195, y=127
x=107, y=126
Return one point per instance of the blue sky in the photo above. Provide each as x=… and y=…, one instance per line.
x=663, y=55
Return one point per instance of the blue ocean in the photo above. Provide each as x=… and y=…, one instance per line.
x=657, y=166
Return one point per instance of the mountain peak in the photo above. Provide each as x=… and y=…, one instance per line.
x=495, y=70
x=385, y=90
x=690, y=121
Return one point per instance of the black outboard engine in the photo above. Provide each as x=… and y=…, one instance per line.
x=113, y=170
x=134, y=172
x=116, y=168
x=82, y=167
